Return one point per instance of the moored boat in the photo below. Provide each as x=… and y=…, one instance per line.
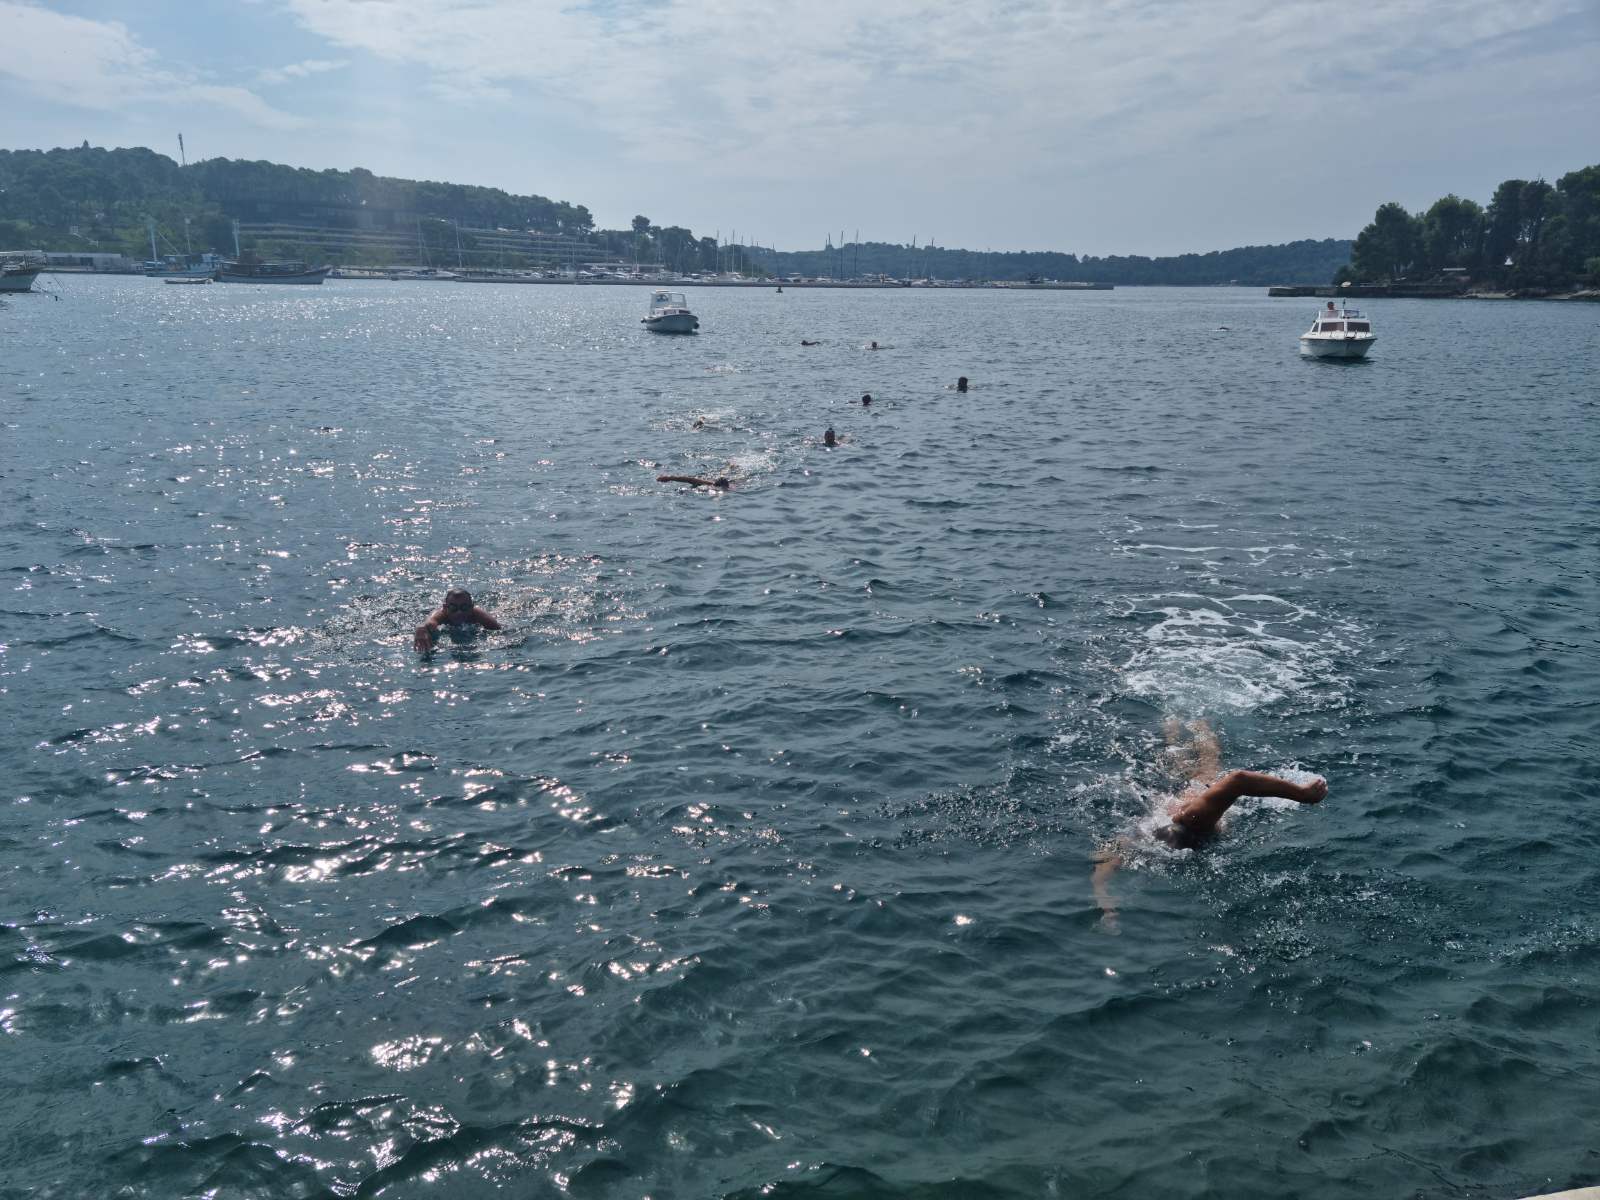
x=271, y=272
x=1338, y=333
x=669, y=313
x=17, y=274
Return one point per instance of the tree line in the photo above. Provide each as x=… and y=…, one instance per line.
x=91, y=198
x=1531, y=235
x=678, y=249
x=1304, y=261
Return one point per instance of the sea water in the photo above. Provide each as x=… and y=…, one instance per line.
x=753, y=857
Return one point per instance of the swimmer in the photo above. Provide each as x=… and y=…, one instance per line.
x=721, y=481
x=803, y=342
x=457, y=610
x=961, y=384
x=1197, y=812
x=699, y=423
x=874, y=346
x=828, y=439
x=866, y=400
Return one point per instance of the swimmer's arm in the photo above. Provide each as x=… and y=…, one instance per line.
x=427, y=633
x=1219, y=797
x=484, y=619
x=1106, y=861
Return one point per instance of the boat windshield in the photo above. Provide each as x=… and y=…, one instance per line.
x=667, y=300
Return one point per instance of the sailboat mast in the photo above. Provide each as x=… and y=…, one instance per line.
x=154, y=257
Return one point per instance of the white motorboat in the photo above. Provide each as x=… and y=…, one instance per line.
x=669, y=313
x=1338, y=333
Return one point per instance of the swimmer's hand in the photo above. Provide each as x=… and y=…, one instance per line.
x=422, y=641
x=1313, y=792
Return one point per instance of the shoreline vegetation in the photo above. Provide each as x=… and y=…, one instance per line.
x=94, y=200
x=1532, y=240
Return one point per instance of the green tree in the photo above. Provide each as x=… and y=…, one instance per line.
x=1579, y=193
x=1503, y=225
x=1452, y=233
x=1389, y=247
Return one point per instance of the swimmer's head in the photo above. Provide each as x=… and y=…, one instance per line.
x=458, y=600
x=961, y=384
x=866, y=399
x=722, y=482
x=828, y=438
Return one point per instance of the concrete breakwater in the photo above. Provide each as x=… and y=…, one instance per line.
x=1428, y=291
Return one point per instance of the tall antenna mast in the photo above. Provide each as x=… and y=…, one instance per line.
x=182, y=157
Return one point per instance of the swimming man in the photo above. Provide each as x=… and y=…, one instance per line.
x=457, y=610
x=1197, y=812
x=721, y=481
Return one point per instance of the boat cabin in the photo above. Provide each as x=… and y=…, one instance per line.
x=659, y=299
x=1343, y=320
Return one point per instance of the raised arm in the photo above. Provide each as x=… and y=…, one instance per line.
x=484, y=619
x=1203, y=812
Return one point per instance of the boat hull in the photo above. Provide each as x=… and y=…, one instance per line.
x=673, y=323
x=316, y=275
x=1329, y=347
x=18, y=281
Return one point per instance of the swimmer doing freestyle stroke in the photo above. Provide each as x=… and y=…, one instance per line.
x=1197, y=812
x=721, y=481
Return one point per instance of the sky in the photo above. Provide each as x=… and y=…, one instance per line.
x=1093, y=127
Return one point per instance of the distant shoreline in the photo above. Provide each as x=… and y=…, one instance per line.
x=1425, y=292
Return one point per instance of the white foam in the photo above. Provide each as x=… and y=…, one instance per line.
x=1235, y=653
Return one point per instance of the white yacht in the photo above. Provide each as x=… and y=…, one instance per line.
x=669, y=313
x=1338, y=333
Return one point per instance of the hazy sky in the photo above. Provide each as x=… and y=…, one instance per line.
x=1121, y=126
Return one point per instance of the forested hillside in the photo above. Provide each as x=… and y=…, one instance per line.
x=1296, y=262
x=93, y=198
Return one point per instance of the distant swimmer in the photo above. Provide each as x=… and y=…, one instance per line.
x=457, y=610
x=721, y=481
x=803, y=342
x=961, y=384
x=873, y=346
x=699, y=423
x=828, y=439
x=1196, y=813
x=866, y=400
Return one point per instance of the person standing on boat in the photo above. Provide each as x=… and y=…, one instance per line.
x=457, y=611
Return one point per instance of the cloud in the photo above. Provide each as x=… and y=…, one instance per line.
x=897, y=83
x=300, y=70
x=101, y=65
